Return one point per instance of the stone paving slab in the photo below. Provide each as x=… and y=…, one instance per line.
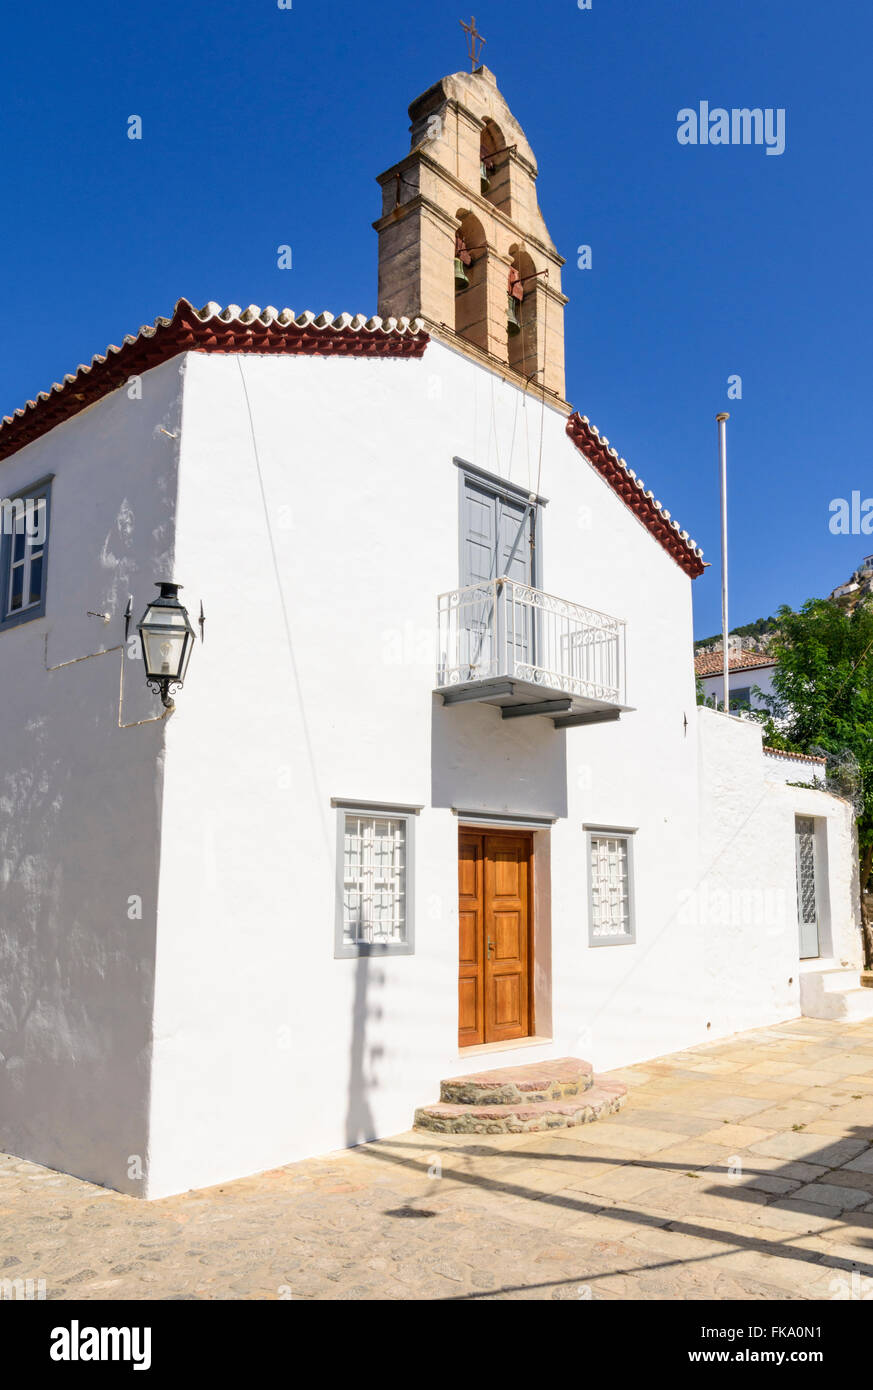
x=742, y=1168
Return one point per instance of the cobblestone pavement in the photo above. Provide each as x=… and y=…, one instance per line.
x=739, y=1169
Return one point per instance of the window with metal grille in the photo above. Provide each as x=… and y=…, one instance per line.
x=24, y=554
x=610, y=887
x=374, y=852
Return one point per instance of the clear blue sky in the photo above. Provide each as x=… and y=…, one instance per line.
x=264, y=126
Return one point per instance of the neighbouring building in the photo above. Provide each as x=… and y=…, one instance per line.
x=750, y=675
x=857, y=588
x=436, y=793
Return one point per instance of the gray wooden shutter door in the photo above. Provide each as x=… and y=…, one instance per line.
x=515, y=563
x=478, y=555
x=492, y=548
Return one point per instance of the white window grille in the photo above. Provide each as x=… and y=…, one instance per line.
x=610, y=887
x=805, y=839
x=373, y=887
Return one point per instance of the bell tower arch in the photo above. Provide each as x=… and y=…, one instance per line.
x=462, y=241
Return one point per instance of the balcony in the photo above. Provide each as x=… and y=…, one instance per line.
x=504, y=643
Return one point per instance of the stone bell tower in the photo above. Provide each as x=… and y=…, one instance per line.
x=462, y=241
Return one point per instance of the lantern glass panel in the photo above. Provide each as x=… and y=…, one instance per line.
x=166, y=642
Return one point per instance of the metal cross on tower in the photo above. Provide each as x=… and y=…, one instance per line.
x=473, y=38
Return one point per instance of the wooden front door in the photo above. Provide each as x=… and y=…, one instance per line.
x=494, y=887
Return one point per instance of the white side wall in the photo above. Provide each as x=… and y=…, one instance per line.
x=783, y=769
x=746, y=900
x=80, y=797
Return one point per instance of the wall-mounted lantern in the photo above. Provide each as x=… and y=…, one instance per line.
x=167, y=638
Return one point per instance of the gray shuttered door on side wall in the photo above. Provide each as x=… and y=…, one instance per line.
x=491, y=548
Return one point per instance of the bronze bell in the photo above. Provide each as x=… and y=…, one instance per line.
x=513, y=323
x=461, y=281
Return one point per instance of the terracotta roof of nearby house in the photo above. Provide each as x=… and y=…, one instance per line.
x=712, y=663
x=210, y=329
x=633, y=492
x=797, y=757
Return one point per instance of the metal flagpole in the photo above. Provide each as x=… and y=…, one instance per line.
x=722, y=456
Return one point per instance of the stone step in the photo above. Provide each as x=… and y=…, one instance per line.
x=835, y=994
x=838, y=981
x=568, y=1076
x=857, y=1004
x=600, y=1098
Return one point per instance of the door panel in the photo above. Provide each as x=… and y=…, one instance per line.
x=478, y=566
x=507, y=868
x=471, y=977
x=494, y=881
x=507, y=942
x=516, y=562
x=480, y=535
x=508, y=1011
x=515, y=559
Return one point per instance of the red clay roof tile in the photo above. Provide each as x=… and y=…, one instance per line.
x=633, y=493
x=211, y=329
x=712, y=663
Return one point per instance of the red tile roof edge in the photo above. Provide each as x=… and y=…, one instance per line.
x=797, y=757
x=633, y=493
x=711, y=664
x=210, y=329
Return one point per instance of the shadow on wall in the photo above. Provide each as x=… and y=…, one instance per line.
x=363, y=1056
x=78, y=871
x=480, y=761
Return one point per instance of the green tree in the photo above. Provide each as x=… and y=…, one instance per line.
x=823, y=700
x=756, y=629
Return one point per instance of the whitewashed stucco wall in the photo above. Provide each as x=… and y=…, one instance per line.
x=319, y=685
x=80, y=798
x=746, y=900
x=781, y=769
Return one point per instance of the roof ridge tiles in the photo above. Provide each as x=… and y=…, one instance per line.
x=637, y=497
x=798, y=757
x=210, y=329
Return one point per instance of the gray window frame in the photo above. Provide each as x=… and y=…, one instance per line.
x=612, y=832
x=41, y=489
x=342, y=949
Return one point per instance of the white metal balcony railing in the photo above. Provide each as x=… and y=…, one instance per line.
x=501, y=629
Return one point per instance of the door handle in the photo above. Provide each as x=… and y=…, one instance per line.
x=490, y=947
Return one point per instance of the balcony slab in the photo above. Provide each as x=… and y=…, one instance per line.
x=518, y=699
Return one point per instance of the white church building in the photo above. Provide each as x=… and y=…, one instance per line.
x=435, y=795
